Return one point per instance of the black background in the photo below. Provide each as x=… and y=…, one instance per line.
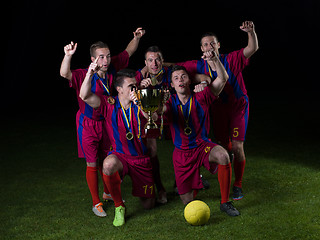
x=35, y=32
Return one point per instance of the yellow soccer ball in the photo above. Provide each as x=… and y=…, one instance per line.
x=197, y=213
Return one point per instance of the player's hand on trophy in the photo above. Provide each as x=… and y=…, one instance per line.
x=166, y=95
x=70, y=49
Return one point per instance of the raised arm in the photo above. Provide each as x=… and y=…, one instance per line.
x=85, y=91
x=134, y=43
x=65, y=70
x=222, y=76
x=252, y=46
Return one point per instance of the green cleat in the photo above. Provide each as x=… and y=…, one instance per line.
x=119, y=218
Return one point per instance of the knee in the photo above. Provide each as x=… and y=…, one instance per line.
x=237, y=149
x=220, y=156
x=109, y=167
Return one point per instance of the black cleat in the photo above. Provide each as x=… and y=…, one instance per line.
x=237, y=193
x=205, y=182
x=229, y=209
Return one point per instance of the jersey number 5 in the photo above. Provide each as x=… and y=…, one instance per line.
x=235, y=132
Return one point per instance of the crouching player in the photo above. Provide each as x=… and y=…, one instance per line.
x=188, y=115
x=124, y=122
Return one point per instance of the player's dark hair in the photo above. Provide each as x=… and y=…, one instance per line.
x=97, y=45
x=121, y=75
x=153, y=49
x=208, y=34
x=177, y=68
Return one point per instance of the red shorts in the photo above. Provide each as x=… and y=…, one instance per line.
x=139, y=168
x=187, y=165
x=230, y=121
x=92, y=138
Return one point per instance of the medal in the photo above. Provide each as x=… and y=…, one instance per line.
x=129, y=135
x=187, y=131
x=111, y=100
x=154, y=79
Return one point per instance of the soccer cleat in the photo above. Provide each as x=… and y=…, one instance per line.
x=107, y=197
x=237, y=193
x=205, y=182
x=119, y=216
x=98, y=210
x=229, y=209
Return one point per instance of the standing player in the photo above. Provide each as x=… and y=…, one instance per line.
x=124, y=121
x=188, y=115
x=92, y=138
x=231, y=111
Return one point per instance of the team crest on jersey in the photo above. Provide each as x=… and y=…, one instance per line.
x=111, y=100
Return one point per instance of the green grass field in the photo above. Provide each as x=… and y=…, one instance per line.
x=44, y=193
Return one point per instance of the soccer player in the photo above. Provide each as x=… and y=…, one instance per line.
x=158, y=76
x=124, y=121
x=231, y=110
x=92, y=138
x=188, y=116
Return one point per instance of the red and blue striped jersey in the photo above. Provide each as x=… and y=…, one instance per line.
x=117, y=127
x=198, y=118
x=234, y=63
x=99, y=86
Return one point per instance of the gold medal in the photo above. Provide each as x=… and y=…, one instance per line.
x=111, y=100
x=153, y=81
x=129, y=136
x=187, y=131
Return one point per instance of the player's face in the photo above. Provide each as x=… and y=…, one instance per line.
x=154, y=62
x=127, y=85
x=210, y=43
x=180, y=81
x=104, y=58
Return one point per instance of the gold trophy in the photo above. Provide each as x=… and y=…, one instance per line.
x=150, y=100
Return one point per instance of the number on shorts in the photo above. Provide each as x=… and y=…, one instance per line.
x=235, y=132
x=146, y=189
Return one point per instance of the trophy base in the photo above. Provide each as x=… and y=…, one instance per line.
x=151, y=133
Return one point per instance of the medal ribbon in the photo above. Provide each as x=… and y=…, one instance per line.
x=104, y=86
x=127, y=122
x=187, y=120
x=209, y=70
x=155, y=78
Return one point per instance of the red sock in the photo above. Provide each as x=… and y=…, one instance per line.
x=114, y=185
x=195, y=193
x=238, y=172
x=224, y=178
x=105, y=188
x=92, y=180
